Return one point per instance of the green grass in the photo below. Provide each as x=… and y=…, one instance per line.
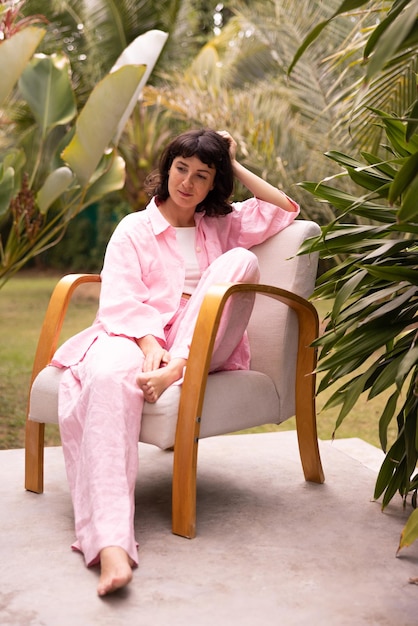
x=23, y=302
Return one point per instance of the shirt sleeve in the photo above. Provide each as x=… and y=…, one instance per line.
x=253, y=221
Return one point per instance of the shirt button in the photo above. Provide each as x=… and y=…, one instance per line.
x=198, y=249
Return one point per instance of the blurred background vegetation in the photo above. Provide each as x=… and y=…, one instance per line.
x=224, y=66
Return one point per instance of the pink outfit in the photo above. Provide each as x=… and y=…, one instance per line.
x=100, y=404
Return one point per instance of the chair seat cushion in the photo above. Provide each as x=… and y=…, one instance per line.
x=231, y=407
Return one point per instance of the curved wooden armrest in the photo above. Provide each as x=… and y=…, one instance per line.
x=194, y=386
x=207, y=324
x=54, y=318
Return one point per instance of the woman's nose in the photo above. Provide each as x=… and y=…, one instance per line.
x=187, y=182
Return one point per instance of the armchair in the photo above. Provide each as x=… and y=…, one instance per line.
x=280, y=383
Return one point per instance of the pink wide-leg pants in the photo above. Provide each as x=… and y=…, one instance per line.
x=100, y=407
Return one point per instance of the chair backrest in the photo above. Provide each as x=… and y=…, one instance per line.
x=272, y=330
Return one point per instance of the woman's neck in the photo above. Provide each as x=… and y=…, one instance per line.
x=176, y=216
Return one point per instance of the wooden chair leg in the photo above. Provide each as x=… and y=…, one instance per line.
x=308, y=446
x=34, y=456
x=305, y=396
x=184, y=486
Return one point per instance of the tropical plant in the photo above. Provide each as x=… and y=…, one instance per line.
x=64, y=161
x=238, y=80
x=93, y=33
x=372, y=331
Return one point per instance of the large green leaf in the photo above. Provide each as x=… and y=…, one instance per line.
x=409, y=208
x=409, y=532
x=387, y=378
x=397, y=273
x=409, y=361
x=367, y=175
x=346, y=202
x=394, y=305
x=410, y=437
x=112, y=179
x=396, y=483
x=98, y=122
x=405, y=227
x=382, y=166
x=391, y=461
x=403, y=177
x=396, y=132
x=361, y=307
x=144, y=50
x=46, y=86
x=10, y=177
x=353, y=392
x=55, y=184
x=392, y=38
x=412, y=124
x=386, y=418
x=14, y=56
x=360, y=344
x=388, y=248
x=374, y=37
x=7, y=185
x=346, y=5
x=346, y=291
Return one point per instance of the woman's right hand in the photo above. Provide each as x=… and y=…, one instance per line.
x=155, y=355
x=232, y=143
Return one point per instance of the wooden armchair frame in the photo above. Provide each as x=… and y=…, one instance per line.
x=193, y=389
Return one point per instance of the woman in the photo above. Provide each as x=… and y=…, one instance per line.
x=158, y=266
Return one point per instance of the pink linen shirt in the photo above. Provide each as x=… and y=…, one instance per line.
x=143, y=272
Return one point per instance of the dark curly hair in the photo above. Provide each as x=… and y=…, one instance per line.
x=213, y=150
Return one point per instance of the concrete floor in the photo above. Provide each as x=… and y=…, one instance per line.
x=270, y=549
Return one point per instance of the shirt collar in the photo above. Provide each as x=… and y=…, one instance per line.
x=158, y=222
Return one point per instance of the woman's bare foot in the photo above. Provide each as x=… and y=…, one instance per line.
x=153, y=383
x=116, y=570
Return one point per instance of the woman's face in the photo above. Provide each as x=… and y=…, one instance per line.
x=189, y=181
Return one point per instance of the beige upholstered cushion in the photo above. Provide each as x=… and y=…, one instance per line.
x=223, y=412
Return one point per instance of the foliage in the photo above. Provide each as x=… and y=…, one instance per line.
x=372, y=67
x=94, y=33
x=238, y=80
x=410, y=531
x=372, y=332
x=59, y=161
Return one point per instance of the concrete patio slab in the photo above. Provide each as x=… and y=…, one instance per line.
x=270, y=548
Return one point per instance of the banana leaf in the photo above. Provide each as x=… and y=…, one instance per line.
x=46, y=86
x=94, y=133
x=7, y=186
x=14, y=56
x=54, y=186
